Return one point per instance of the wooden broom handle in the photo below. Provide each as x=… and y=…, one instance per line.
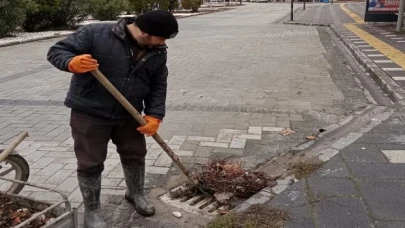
x=128, y=106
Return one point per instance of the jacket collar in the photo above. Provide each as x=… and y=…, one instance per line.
x=119, y=29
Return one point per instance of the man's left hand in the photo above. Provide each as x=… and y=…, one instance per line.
x=151, y=126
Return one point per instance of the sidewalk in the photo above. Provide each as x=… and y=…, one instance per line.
x=380, y=50
x=362, y=186
x=325, y=14
x=363, y=183
x=376, y=46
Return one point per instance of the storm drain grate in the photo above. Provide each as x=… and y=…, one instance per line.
x=198, y=205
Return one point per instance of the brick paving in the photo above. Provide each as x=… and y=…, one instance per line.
x=358, y=8
x=391, y=62
x=324, y=13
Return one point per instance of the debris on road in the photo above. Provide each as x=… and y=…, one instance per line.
x=184, y=191
x=226, y=182
x=321, y=130
x=177, y=214
x=223, y=197
x=258, y=216
x=302, y=170
x=11, y=214
x=287, y=131
x=231, y=179
x=311, y=137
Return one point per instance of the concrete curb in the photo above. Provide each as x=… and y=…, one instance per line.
x=380, y=114
x=31, y=40
x=208, y=12
x=387, y=84
x=305, y=23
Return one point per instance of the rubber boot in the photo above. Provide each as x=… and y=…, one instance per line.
x=134, y=178
x=90, y=189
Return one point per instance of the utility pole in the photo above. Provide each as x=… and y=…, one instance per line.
x=292, y=10
x=304, y=4
x=400, y=19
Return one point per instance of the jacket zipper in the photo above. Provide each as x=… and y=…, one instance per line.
x=131, y=59
x=138, y=64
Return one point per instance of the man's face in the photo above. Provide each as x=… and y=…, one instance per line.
x=151, y=41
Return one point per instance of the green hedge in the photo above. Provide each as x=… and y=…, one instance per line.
x=55, y=14
x=12, y=15
x=192, y=5
x=108, y=9
x=142, y=6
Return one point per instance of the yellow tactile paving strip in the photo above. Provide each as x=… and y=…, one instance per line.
x=355, y=17
x=389, y=51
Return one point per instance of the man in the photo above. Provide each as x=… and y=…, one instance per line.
x=132, y=55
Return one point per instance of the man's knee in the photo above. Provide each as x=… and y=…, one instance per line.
x=90, y=171
x=133, y=160
x=132, y=152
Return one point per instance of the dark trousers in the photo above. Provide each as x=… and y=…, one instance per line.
x=91, y=135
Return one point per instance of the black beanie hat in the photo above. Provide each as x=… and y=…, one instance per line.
x=158, y=23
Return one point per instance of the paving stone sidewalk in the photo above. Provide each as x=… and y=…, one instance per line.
x=362, y=186
x=326, y=14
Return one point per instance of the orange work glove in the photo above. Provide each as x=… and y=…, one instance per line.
x=151, y=127
x=82, y=64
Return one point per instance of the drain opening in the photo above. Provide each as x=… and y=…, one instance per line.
x=185, y=199
x=212, y=200
x=197, y=200
x=198, y=204
x=215, y=207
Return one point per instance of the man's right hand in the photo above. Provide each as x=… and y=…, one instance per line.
x=82, y=64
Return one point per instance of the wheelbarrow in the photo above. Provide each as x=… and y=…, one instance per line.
x=62, y=217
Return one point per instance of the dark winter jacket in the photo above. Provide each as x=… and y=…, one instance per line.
x=142, y=82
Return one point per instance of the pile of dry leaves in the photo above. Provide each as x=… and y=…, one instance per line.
x=223, y=177
x=225, y=181
x=12, y=214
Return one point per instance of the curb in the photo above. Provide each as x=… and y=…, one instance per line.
x=31, y=40
x=208, y=12
x=269, y=193
x=305, y=23
x=386, y=83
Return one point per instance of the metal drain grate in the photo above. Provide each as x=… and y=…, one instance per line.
x=198, y=205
